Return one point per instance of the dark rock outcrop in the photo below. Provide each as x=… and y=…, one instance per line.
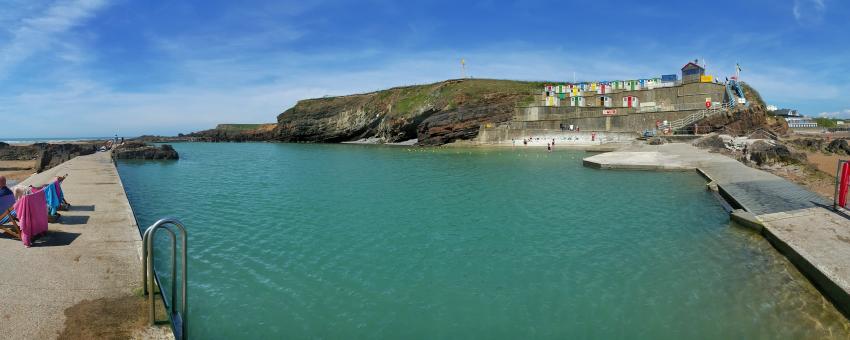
x=46, y=155
x=138, y=150
x=747, y=121
x=812, y=144
x=55, y=154
x=839, y=146
x=231, y=133
x=764, y=153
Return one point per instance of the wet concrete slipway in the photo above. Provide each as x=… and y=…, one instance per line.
x=797, y=222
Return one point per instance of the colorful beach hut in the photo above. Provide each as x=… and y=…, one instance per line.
x=577, y=101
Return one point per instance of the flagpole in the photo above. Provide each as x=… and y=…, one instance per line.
x=737, y=72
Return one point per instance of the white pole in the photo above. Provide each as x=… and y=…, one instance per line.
x=462, y=68
x=737, y=72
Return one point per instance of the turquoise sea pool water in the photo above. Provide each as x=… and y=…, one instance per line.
x=348, y=241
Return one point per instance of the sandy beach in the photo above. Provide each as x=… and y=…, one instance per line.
x=17, y=171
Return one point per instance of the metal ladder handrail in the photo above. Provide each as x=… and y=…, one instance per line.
x=149, y=275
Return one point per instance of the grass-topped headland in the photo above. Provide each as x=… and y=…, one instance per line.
x=434, y=114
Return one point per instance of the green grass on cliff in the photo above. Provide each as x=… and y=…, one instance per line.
x=239, y=127
x=453, y=93
x=412, y=98
x=752, y=95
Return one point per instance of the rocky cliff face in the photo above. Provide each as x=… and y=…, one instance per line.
x=434, y=114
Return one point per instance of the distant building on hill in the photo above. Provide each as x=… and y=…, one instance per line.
x=784, y=113
x=800, y=122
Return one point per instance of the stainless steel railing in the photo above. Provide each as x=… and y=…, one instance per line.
x=178, y=318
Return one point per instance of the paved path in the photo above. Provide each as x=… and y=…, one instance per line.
x=93, y=253
x=795, y=220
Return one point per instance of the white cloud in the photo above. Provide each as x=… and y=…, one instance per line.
x=39, y=33
x=204, y=89
x=836, y=114
x=808, y=11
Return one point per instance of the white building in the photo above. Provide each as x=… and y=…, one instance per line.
x=800, y=122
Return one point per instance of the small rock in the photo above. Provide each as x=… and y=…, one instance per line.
x=657, y=141
x=712, y=141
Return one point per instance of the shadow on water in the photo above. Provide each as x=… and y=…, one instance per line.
x=74, y=220
x=81, y=208
x=56, y=238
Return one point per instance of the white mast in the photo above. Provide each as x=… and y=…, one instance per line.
x=462, y=68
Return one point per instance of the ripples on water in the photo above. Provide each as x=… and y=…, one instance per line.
x=345, y=241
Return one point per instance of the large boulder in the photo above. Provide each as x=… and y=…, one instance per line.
x=139, y=150
x=764, y=153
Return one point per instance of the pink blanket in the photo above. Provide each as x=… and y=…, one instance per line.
x=32, y=216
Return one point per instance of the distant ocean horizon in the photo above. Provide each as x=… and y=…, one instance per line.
x=30, y=140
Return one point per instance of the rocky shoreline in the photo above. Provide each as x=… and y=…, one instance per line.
x=20, y=161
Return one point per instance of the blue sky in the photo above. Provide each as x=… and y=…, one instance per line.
x=93, y=67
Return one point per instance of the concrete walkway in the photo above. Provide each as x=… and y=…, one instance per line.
x=93, y=253
x=794, y=219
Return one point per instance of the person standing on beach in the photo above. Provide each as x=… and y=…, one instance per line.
x=548, y=147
